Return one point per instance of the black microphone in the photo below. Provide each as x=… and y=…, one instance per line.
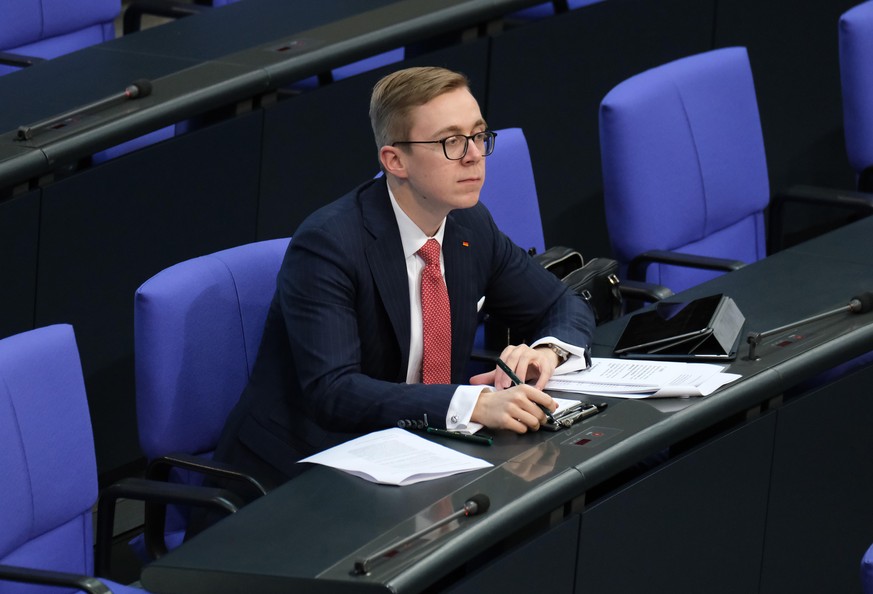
x=859, y=304
x=135, y=90
x=477, y=504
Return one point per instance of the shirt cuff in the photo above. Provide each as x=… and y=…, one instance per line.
x=461, y=409
x=579, y=357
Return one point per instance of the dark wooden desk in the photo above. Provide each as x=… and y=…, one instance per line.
x=663, y=498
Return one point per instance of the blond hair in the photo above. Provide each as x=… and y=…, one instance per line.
x=395, y=95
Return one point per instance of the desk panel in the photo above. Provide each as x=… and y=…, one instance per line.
x=546, y=563
x=19, y=231
x=216, y=34
x=695, y=524
x=820, y=518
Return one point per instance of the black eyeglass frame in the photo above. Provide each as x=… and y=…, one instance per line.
x=488, y=135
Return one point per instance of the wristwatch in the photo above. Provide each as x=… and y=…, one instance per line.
x=563, y=354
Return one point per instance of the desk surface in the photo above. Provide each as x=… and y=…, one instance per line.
x=311, y=530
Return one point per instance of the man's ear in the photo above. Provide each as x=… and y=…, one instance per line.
x=393, y=161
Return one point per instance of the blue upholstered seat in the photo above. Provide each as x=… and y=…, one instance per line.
x=198, y=325
x=47, y=457
x=510, y=192
x=684, y=168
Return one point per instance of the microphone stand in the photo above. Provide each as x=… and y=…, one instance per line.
x=137, y=89
x=858, y=304
x=478, y=504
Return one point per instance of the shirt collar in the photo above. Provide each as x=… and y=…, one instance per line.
x=411, y=236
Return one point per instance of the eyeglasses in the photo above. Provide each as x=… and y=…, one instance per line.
x=455, y=146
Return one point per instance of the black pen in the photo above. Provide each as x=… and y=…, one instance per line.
x=471, y=437
x=518, y=382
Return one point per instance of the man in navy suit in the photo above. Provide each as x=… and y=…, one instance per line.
x=342, y=348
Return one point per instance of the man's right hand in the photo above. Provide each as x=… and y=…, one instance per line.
x=514, y=408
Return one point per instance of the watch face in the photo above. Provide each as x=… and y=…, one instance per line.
x=562, y=354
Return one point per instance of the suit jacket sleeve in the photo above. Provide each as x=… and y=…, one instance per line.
x=530, y=299
x=348, y=361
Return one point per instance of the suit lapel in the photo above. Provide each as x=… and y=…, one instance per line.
x=385, y=258
x=459, y=257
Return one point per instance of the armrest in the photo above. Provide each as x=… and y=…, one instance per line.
x=169, y=9
x=855, y=203
x=156, y=493
x=643, y=291
x=159, y=469
x=18, y=60
x=28, y=575
x=637, y=267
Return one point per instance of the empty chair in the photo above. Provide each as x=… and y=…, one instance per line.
x=684, y=169
x=856, y=78
x=685, y=173
x=49, y=471
x=198, y=325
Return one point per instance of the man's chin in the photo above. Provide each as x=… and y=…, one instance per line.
x=469, y=198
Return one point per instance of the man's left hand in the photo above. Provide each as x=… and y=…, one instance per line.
x=525, y=362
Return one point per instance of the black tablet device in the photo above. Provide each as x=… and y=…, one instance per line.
x=703, y=329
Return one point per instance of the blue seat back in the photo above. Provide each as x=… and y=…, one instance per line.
x=198, y=325
x=684, y=167
x=510, y=191
x=50, y=28
x=856, y=78
x=47, y=456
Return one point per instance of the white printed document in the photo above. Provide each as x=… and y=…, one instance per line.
x=635, y=378
x=396, y=457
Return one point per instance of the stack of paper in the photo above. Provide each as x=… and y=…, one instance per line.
x=624, y=378
x=396, y=457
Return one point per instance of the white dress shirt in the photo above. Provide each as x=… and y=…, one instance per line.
x=413, y=238
x=465, y=397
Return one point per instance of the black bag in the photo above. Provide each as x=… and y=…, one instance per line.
x=560, y=260
x=595, y=281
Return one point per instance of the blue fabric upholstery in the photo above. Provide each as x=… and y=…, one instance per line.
x=47, y=457
x=856, y=77
x=197, y=326
x=510, y=192
x=684, y=167
x=867, y=571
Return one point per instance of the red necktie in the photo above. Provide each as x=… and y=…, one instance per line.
x=436, y=363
